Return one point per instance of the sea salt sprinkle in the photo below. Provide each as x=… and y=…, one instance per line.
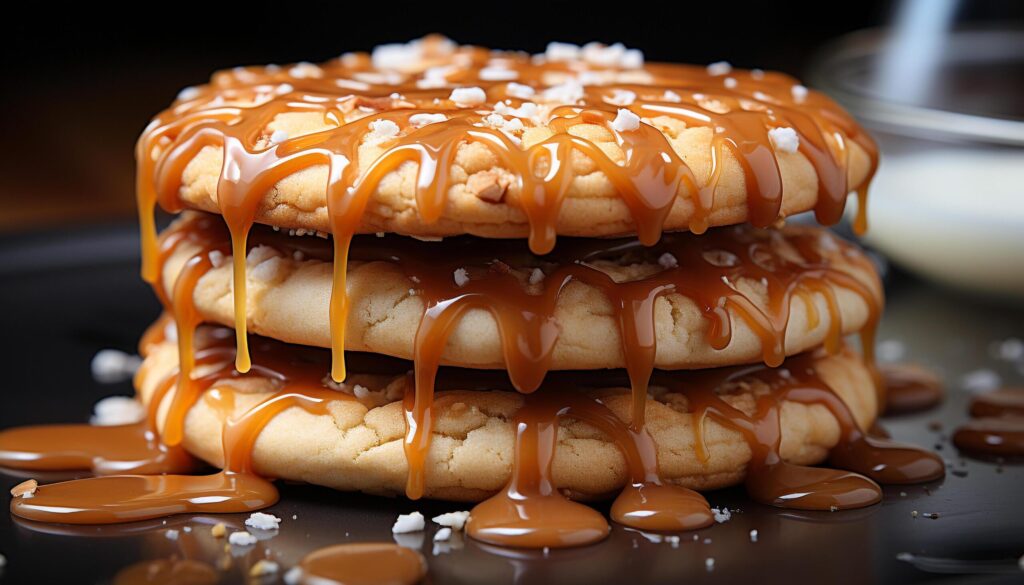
x=468, y=96
x=242, y=538
x=626, y=121
x=110, y=366
x=262, y=521
x=784, y=139
x=454, y=520
x=117, y=410
x=408, y=523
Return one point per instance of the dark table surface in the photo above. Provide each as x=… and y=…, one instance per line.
x=64, y=296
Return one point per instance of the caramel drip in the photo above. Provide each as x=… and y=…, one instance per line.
x=233, y=113
x=794, y=263
x=363, y=563
x=996, y=428
x=531, y=513
x=122, y=498
x=1001, y=436
x=910, y=388
x=1003, y=402
x=773, y=481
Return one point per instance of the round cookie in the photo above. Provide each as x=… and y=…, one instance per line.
x=289, y=284
x=358, y=446
x=453, y=140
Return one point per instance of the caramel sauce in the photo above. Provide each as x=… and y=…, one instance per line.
x=233, y=113
x=994, y=436
x=773, y=481
x=910, y=388
x=1003, y=402
x=100, y=450
x=531, y=513
x=363, y=563
x=792, y=264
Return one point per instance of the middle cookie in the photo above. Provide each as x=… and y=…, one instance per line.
x=731, y=296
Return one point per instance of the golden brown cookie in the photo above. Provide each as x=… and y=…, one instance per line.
x=784, y=292
x=430, y=139
x=358, y=445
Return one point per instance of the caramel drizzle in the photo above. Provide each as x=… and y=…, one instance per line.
x=531, y=513
x=773, y=481
x=794, y=263
x=234, y=111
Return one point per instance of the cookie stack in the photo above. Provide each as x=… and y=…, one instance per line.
x=541, y=279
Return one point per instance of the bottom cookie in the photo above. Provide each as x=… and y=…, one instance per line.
x=704, y=429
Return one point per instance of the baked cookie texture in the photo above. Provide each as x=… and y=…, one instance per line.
x=592, y=208
x=288, y=300
x=496, y=132
x=359, y=446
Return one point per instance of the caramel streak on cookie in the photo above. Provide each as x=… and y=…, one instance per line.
x=337, y=136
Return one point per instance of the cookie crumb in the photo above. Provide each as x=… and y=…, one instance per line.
x=263, y=567
x=218, y=530
x=25, y=489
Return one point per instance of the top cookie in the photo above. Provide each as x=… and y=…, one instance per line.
x=430, y=139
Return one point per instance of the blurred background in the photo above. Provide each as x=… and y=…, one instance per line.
x=940, y=85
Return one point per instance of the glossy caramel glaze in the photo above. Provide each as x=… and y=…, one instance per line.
x=794, y=263
x=1002, y=402
x=1001, y=436
x=233, y=113
x=363, y=563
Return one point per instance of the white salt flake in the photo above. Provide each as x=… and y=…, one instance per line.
x=730, y=82
x=468, y=96
x=278, y=136
x=443, y=534
x=260, y=254
x=242, y=538
x=621, y=97
x=557, y=51
x=217, y=258
x=461, y=276
x=709, y=563
x=454, y=520
x=518, y=90
x=171, y=534
x=117, y=410
x=382, y=130
x=721, y=514
x=420, y=120
x=261, y=521
x=528, y=110
x=396, y=55
x=667, y=261
x=360, y=391
x=305, y=70
x=671, y=96
x=753, y=535
x=498, y=74
x=784, y=139
x=110, y=366
x=537, y=276
x=719, y=68
x=408, y=523
x=799, y=93
x=189, y=93
x=569, y=92
x=626, y=121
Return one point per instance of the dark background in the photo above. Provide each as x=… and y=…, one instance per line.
x=81, y=83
